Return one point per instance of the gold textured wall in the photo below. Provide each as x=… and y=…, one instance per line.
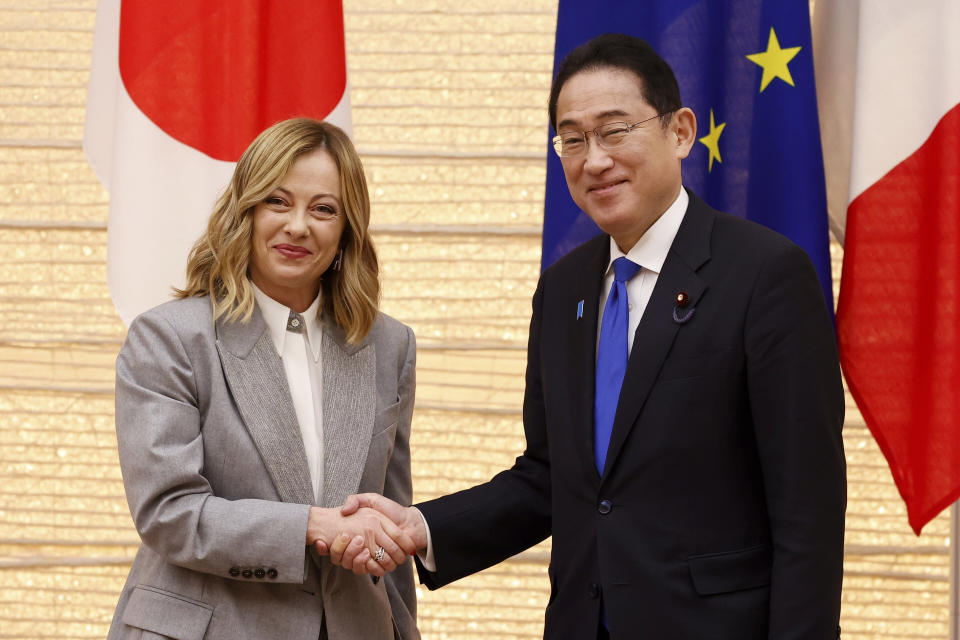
x=448, y=109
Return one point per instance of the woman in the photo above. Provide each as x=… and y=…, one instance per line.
x=271, y=384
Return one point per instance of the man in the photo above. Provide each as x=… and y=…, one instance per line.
x=704, y=496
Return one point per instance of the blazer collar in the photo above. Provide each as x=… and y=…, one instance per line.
x=585, y=292
x=349, y=410
x=258, y=382
x=692, y=244
x=658, y=329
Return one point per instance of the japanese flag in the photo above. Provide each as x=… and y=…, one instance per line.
x=177, y=91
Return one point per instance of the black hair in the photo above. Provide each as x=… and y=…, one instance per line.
x=658, y=85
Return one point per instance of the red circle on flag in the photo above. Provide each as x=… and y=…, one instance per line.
x=213, y=74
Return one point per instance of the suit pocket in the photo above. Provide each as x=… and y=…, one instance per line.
x=167, y=614
x=715, y=573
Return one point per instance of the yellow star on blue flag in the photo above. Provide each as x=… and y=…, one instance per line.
x=712, y=141
x=774, y=61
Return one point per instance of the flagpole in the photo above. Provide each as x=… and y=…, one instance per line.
x=954, y=571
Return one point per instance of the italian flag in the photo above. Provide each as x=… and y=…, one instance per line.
x=888, y=81
x=177, y=91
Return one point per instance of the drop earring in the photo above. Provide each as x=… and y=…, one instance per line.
x=338, y=261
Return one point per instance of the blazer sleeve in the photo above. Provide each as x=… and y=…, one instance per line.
x=479, y=527
x=796, y=399
x=161, y=450
x=398, y=484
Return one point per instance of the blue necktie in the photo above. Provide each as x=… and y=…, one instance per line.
x=611, y=359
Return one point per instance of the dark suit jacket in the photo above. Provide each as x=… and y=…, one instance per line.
x=720, y=512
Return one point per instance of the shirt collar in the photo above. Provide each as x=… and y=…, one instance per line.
x=275, y=314
x=650, y=251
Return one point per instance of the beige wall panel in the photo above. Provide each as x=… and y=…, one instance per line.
x=48, y=184
x=415, y=191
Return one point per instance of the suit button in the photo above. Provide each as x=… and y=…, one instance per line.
x=605, y=507
x=246, y=573
x=259, y=572
x=594, y=590
x=272, y=574
x=235, y=572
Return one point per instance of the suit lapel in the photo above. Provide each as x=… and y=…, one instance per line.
x=349, y=409
x=658, y=329
x=257, y=380
x=583, y=339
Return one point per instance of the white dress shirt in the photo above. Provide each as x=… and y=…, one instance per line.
x=300, y=353
x=650, y=252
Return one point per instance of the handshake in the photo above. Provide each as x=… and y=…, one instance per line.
x=369, y=534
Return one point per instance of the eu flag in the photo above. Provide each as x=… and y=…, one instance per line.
x=745, y=67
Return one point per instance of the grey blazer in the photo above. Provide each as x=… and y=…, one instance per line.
x=218, y=485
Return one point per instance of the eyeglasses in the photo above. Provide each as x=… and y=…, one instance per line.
x=569, y=144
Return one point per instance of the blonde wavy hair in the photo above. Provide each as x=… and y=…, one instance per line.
x=218, y=263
